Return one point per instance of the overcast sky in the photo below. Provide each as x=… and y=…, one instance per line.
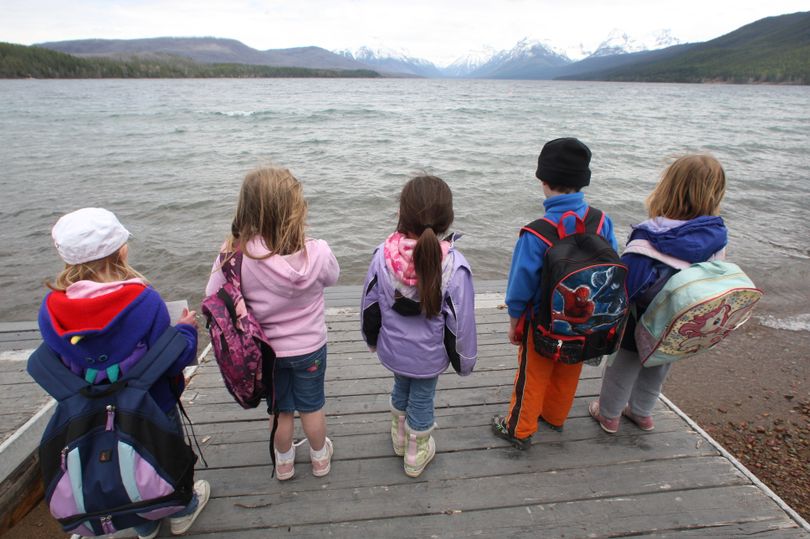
x=438, y=30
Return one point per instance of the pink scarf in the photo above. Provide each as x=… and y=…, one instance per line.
x=398, y=251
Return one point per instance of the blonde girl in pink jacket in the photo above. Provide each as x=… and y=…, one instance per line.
x=284, y=274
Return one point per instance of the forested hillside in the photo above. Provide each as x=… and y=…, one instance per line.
x=19, y=61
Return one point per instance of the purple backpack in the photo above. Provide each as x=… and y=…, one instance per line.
x=244, y=356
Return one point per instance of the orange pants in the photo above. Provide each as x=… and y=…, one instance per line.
x=543, y=387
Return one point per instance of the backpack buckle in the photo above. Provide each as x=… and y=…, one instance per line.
x=557, y=350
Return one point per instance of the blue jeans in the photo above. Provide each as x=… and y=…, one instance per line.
x=415, y=396
x=298, y=382
x=149, y=527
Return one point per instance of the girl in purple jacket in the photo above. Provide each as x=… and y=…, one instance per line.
x=418, y=314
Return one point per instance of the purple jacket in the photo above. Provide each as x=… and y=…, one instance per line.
x=407, y=342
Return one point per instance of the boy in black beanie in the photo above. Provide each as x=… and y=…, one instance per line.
x=544, y=386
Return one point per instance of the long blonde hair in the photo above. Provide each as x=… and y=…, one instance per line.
x=271, y=206
x=690, y=187
x=111, y=268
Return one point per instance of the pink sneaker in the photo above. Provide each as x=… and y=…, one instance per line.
x=321, y=467
x=609, y=425
x=643, y=422
x=285, y=468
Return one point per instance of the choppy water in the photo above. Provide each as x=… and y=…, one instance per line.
x=168, y=157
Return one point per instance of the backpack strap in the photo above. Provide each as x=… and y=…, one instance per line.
x=47, y=369
x=231, y=264
x=157, y=360
x=645, y=248
x=52, y=375
x=550, y=232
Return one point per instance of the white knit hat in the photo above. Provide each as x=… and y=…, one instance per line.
x=88, y=234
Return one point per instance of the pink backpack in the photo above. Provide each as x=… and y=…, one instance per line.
x=242, y=351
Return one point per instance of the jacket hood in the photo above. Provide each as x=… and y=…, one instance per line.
x=285, y=274
x=95, y=332
x=451, y=261
x=695, y=240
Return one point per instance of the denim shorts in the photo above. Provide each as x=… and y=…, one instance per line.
x=299, y=381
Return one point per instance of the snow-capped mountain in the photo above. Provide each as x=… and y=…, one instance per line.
x=527, y=59
x=464, y=65
x=619, y=42
x=392, y=61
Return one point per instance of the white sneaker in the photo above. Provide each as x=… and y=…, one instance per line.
x=181, y=525
x=285, y=468
x=321, y=466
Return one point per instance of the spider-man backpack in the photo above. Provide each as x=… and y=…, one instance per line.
x=583, y=297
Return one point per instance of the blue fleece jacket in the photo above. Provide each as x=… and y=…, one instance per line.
x=104, y=335
x=693, y=241
x=523, y=287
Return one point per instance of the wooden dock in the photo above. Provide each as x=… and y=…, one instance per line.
x=672, y=482
x=579, y=483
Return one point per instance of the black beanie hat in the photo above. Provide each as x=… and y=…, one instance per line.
x=564, y=161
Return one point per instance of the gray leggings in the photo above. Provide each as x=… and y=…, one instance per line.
x=626, y=381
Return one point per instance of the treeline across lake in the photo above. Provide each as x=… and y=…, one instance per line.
x=20, y=61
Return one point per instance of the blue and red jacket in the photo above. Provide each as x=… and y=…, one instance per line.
x=99, y=338
x=523, y=287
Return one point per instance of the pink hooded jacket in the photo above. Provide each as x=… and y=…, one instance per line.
x=285, y=294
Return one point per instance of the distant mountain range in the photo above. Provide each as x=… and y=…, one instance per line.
x=205, y=50
x=775, y=49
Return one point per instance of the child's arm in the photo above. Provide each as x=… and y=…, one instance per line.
x=189, y=331
x=370, y=315
x=515, y=331
x=331, y=268
x=460, y=322
x=608, y=234
x=524, y=274
x=187, y=325
x=216, y=280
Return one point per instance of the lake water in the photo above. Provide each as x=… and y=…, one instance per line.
x=168, y=157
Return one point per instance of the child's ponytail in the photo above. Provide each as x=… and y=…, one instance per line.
x=426, y=212
x=427, y=261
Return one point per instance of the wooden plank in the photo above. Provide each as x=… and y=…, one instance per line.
x=255, y=428
x=16, y=377
x=6, y=327
x=217, y=394
x=773, y=529
x=617, y=516
x=28, y=335
x=421, y=510
x=20, y=492
x=226, y=410
x=555, y=450
x=25, y=344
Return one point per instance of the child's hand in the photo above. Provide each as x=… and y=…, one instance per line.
x=515, y=331
x=188, y=317
x=372, y=349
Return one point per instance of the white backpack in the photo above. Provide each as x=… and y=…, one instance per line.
x=696, y=309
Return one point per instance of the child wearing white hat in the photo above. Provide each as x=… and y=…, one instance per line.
x=101, y=316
